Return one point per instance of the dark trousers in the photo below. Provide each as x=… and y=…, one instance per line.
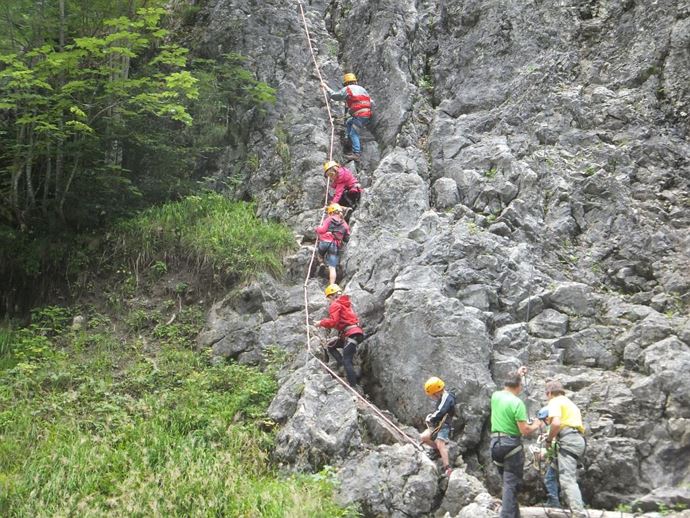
x=511, y=471
x=350, y=199
x=349, y=347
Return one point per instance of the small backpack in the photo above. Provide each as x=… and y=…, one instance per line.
x=338, y=231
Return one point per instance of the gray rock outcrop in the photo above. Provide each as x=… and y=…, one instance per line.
x=526, y=201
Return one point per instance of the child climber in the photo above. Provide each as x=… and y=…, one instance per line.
x=347, y=190
x=439, y=423
x=333, y=233
x=342, y=317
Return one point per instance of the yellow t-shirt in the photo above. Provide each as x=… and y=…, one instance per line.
x=562, y=407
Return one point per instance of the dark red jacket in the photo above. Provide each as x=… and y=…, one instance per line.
x=340, y=316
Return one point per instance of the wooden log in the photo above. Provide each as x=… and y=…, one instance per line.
x=550, y=512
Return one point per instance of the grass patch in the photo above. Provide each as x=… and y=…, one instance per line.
x=94, y=426
x=207, y=232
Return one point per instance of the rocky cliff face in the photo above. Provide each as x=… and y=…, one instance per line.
x=526, y=202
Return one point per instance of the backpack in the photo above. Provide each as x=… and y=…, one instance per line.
x=338, y=231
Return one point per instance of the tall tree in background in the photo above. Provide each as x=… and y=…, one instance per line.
x=66, y=102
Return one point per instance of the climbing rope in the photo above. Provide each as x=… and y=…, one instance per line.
x=321, y=81
x=389, y=424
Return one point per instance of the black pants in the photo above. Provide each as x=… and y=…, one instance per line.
x=511, y=472
x=350, y=199
x=349, y=347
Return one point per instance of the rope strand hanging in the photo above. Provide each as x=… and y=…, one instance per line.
x=392, y=426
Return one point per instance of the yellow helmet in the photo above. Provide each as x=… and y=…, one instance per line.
x=349, y=78
x=433, y=385
x=334, y=207
x=328, y=165
x=332, y=289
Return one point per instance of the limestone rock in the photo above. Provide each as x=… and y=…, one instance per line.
x=446, y=193
x=549, y=324
x=322, y=427
x=461, y=491
x=396, y=481
x=564, y=131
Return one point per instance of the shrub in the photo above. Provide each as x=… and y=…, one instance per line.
x=94, y=432
x=207, y=231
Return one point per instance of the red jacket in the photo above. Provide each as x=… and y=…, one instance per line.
x=340, y=316
x=344, y=180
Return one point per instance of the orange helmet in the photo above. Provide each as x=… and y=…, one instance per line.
x=349, y=78
x=433, y=385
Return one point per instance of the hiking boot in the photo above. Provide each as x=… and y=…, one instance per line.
x=433, y=454
x=352, y=156
x=553, y=503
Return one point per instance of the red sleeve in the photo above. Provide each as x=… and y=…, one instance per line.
x=324, y=226
x=333, y=316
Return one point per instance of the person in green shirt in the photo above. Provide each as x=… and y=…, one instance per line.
x=508, y=425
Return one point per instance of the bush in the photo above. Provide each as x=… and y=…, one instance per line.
x=95, y=432
x=206, y=232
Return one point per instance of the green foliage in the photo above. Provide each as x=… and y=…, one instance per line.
x=67, y=108
x=591, y=170
x=182, y=330
x=101, y=429
x=209, y=232
x=472, y=227
x=426, y=83
x=283, y=148
x=491, y=173
x=96, y=111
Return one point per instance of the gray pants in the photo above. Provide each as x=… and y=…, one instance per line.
x=567, y=471
x=511, y=471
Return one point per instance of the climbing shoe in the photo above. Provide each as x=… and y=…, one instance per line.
x=352, y=156
x=433, y=454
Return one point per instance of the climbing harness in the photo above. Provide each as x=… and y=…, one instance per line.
x=438, y=427
x=389, y=424
x=511, y=453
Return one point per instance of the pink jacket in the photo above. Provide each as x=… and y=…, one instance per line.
x=344, y=180
x=333, y=229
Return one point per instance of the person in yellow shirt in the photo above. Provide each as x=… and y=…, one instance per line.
x=565, y=425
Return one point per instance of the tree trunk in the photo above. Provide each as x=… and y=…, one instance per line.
x=60, y=152
x=68, y=184
x=30, y=196
x=46, y=183
x=61, y=41
x=17, y=171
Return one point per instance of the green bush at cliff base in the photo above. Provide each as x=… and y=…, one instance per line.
x=208, y=232
x=92, y=426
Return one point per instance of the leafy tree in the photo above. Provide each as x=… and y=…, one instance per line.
x=65, y=110
x=102, y=115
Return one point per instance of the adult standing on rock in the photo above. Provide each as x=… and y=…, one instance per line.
x=342, y=317
x=347, y=189
x=440, y=422
x=508, y=425
x=333, y=233
x=565, y=424
x=358, y=103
